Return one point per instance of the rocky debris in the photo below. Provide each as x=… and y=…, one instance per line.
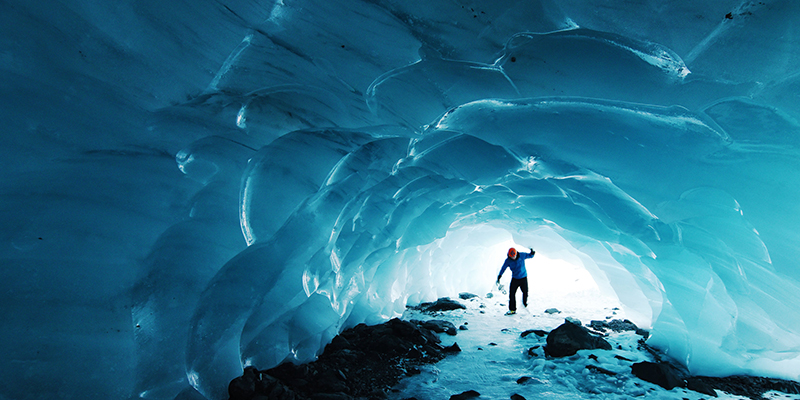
x=669, y=376
x=750, y=386
x=469, y=394
x=364, y=361
x=537, y=332
x=570, y=337
x=443, y=304
x=466, y=296
x=618, y=325
x=516, y=397
x=552, y=311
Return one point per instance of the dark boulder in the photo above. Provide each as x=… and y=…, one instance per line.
x=662, y=374
x=568, y=338
x=752, y=387
x=454, y=348
x=552, y=311
x=440, y=326
x=517, y=397
x=443, y=304
x=698, y=385
x=469, y=394
x=527, y=380
x=537, y=332
x=466, y=296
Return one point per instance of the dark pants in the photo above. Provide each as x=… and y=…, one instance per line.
x=521, y=283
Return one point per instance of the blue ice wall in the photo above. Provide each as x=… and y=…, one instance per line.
x=191, y=187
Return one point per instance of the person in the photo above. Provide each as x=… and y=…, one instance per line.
x=519, y=278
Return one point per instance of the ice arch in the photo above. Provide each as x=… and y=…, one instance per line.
x=344, y=145
x=368, y=241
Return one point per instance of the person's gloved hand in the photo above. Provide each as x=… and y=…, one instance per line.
x=531, y=249
x=498, y=281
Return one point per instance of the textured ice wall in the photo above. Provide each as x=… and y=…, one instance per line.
x=337, y=161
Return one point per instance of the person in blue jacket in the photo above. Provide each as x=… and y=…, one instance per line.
x=519, y=278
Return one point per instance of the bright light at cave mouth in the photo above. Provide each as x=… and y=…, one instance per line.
x=557, y=277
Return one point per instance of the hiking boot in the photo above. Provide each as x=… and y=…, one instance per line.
x=511, y=312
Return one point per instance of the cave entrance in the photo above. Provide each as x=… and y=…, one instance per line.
x=561, y=275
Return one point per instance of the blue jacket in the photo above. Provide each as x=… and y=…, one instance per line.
x=517, y=266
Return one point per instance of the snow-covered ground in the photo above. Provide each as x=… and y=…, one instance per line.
x=494, y=356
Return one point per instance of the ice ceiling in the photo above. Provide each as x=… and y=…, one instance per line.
x=190, y=186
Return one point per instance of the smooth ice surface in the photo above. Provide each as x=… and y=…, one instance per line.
x=192, y=187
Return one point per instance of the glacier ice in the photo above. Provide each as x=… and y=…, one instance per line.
x=189, y=189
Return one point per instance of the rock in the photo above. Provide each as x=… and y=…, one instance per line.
x=600, y=370
x=537, y=332
x=329, y=381
x=698, y=385
x=552, y=311
x=618, y=357
x=441, y=326
x=254, y=384
x=749, y=386
x=525, y=380
x=568, y=338
x=516, y=397
x=599, y=325
x=375, y=395
x=338, y=343
x=443, y=304
x=463, y=327
x=661, y=374
x=331, y=396
x=243, y=387
x=617, y=325
x=469, y=394
x=362, y=362
x=454, y=348
x=466, y=296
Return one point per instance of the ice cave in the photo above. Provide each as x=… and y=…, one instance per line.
x=191, y=187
